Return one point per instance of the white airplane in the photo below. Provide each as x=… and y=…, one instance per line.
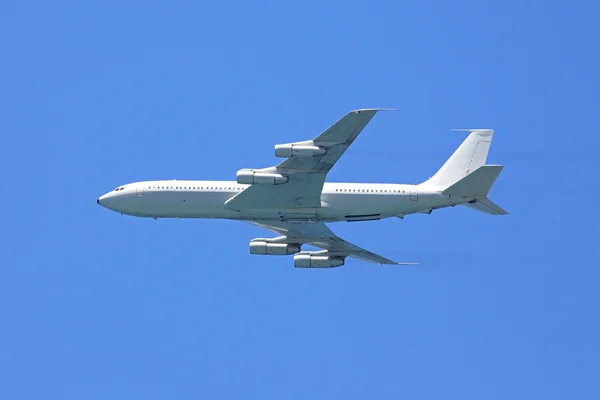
x=293, y=200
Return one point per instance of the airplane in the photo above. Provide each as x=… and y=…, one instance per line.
x=293, y=200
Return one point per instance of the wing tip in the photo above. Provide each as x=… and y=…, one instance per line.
x=484, y=130
x=390, y=262
x=372, y=109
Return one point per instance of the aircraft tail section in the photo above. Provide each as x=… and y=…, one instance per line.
x=470, y=155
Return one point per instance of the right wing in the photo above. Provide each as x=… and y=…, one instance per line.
x=319, y=235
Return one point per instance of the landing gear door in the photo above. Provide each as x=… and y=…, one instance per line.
x=298, y=214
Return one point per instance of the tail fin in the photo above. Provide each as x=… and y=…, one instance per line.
x=471, y=155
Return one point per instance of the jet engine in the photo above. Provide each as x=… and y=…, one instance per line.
x=250, y=177
x=278, y=249
x=289, y=150
x=313, y=261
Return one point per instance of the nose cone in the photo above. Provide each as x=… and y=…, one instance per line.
x=116, y=201
x=103, y=200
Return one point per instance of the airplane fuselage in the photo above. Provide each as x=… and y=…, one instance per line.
x=339, y=201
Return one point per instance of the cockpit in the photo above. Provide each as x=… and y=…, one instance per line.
x=119, y=188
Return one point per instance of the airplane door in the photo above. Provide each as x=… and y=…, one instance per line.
x=139, y=191
x=414, y=193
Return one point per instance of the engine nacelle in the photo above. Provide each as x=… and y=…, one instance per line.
x=250, y=177
x=310, y=261
x=298, y=150
x=274, y=249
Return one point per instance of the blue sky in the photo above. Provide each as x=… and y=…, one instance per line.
x=96, y=305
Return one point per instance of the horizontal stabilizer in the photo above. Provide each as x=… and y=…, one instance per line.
x=487, y=206
x=477, y=183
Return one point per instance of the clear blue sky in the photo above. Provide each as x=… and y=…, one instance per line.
x=96, y=305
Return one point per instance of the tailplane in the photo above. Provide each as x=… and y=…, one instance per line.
x=487, y=206
x=477, y=183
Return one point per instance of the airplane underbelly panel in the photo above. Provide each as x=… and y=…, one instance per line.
x=359, y=207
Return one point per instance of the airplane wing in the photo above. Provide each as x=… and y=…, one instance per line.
x=304, y=170
x=319, y=235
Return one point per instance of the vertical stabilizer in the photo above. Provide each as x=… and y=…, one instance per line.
x=471, y=155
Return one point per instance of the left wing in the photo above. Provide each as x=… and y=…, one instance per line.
x=298, y=181
x=319, y=235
